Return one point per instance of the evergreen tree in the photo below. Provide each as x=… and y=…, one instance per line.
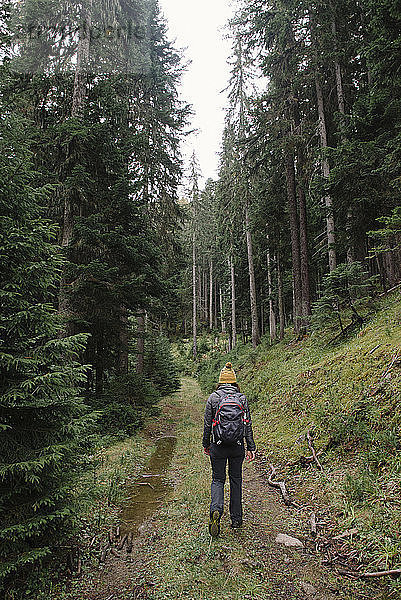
x=42, y=416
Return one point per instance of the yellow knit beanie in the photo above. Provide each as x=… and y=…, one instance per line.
x=227, y=374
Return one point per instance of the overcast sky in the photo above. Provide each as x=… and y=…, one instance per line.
x=197, y=25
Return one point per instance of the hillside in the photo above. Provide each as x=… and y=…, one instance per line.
x=348, y=396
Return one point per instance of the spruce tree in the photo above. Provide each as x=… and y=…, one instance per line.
x=42, y=415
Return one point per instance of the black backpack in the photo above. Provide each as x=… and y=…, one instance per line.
x=228, y=425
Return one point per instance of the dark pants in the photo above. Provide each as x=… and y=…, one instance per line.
x=219, y=455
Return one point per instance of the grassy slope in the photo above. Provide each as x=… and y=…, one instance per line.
x=345, y=393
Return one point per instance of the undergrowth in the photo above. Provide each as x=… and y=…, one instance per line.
x=349, y=394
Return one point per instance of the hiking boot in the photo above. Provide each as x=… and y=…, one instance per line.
x=214, y=524
x=236, y=524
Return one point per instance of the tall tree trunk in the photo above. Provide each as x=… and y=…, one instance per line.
x=337, y=69
x=252, y=285
x=330, y=225
x=123, y=351
x=302, y=223
x=194, y=348
x=294, y=231
x=233, y=303
x=99, y=369
x=80, y=79
x=140, y=343
x=280, y=297
x=215, y=310
x=223, y=323
x=211, y=295
x=77, y=109
x=349, y=228
x=199, y=308
x=304, y=263
x=341, y=109
x=272, y=314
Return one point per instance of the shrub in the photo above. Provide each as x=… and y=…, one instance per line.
x=347, y=293
x=127, y=401
x=160, y=367
x=208, y=373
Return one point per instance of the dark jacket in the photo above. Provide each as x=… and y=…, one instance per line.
x=210, y=410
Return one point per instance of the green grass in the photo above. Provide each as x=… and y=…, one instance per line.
x=292, y=385
x=183, y=562
x=99, y=497
x=344, y=393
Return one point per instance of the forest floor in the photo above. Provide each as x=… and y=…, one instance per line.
x=173, y=556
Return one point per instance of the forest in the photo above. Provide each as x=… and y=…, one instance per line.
x=122, y=272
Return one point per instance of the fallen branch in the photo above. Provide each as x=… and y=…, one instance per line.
x=390, y=290
x=310, y=444
x=394, y=360
x=381, y=573
x=144, y=483
x=280, y=485
x=347, y=533
x=115, y=553
x=304, y=461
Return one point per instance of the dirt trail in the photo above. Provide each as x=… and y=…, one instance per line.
x=171, y=556
x=293, y=572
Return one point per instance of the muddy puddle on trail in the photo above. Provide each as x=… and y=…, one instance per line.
x=148, y=492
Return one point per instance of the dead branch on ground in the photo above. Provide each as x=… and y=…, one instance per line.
x=381, y=573
x=280, y=485
x=312, y=449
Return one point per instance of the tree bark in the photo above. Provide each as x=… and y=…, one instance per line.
x=330, y=225
x=304, y=264
x=78, y=104
x=272, y=314
x=233, y=303
x=140, y=344
x=123, y=352
x=83, y=53
x=223, y=323
x=302, y=223
x=252, y=285
x=280, y=297
x=294, y=231
x=211, y=295
x=194, y=348
x=99, y=364
x=199, y=306
x=215, y=306
x=203, y=298
x=328, y=201
x=350, y=237
x=337, y=69
x=341, y=110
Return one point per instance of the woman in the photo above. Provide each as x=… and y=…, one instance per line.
x=227, y=424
